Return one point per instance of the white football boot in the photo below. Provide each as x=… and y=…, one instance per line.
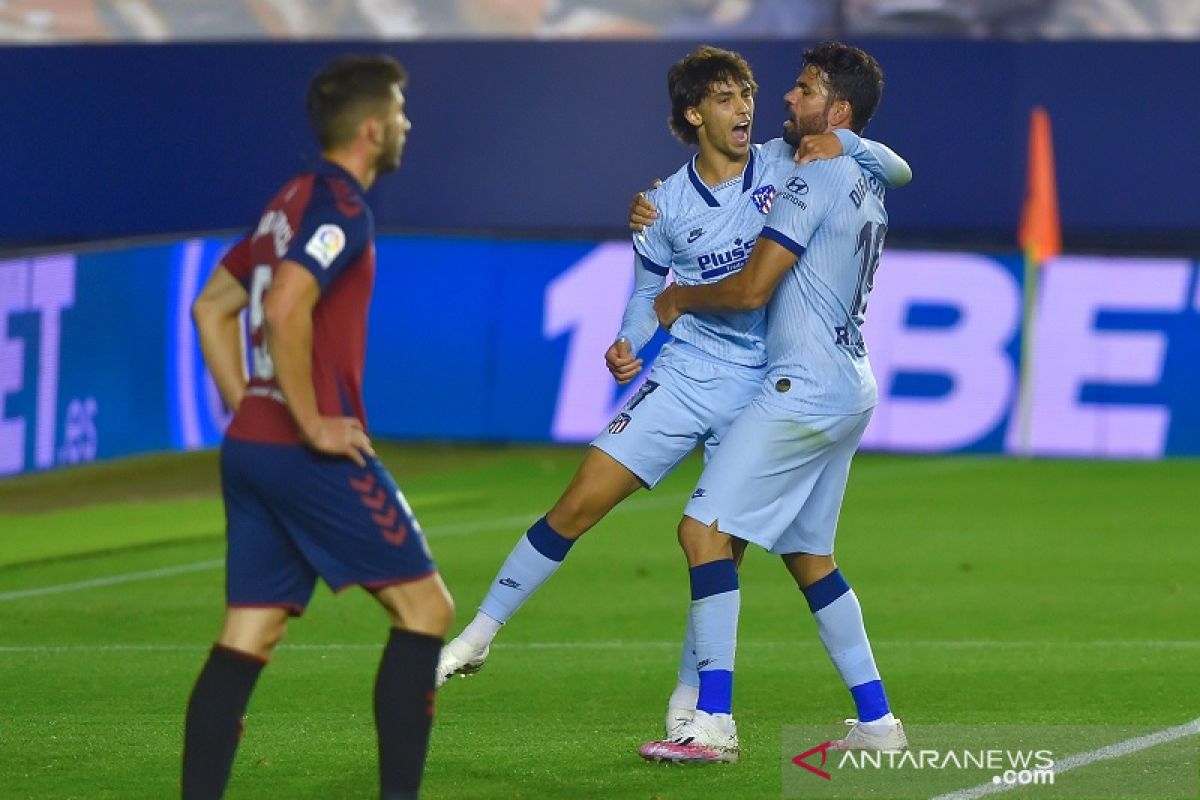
x=885, y=737
x=703, y=739
x=459, y=658
x=676, y=717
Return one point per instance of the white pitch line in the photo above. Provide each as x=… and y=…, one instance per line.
x=127, y=577
x=984, y=644
x=608, y=645
x=473, y=526
x=1127, y=747
x=456, y=529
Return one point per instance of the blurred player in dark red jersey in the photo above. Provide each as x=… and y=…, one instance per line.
x=305, y=496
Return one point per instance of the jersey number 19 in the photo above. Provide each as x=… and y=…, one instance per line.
x=870, y=245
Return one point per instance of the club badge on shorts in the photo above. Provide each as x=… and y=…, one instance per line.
x=620, y=423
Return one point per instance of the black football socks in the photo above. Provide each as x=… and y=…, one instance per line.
x=214, y=721
x=404, y=692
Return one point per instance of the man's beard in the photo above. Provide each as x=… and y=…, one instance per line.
x=389, y=159
x=813, y=124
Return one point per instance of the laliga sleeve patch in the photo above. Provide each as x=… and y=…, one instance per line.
x=326, y=244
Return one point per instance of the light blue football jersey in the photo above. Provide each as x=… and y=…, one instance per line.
x=702, y=235
x=705, y=234
x=831, y=215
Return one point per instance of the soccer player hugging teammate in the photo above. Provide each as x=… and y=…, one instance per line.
x=779, y=477
x=711, y=212
x=305, y=496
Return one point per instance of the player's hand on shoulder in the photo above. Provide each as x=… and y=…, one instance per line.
x=621, y=361
x=665, y=308
x=817, y=147
x=642, y=212
x=341, y=436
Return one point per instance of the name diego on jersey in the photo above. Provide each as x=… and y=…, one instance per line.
x=712, y=265
x=867, y=184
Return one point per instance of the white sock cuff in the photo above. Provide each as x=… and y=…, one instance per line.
x=684, y=696
x=481, y=630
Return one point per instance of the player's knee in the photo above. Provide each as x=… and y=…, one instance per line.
x=271, y=639
x=685, y=533
x=433, y=617
x=702, y=543
x=807, y=568
x=441, y=614
x=572, y=515
x=257, y=634
x=425, y=607
x=739, y=550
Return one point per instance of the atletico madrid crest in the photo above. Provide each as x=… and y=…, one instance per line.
x=762, y=198
x=619, y=424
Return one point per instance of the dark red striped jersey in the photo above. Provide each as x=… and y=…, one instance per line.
x=321, y=221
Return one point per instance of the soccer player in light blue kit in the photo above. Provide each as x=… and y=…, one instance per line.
x=712, y=211
x=780, y=474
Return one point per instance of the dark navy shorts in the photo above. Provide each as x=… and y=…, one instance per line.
x=293, y=515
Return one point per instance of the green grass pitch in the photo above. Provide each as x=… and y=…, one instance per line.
x=998, y=592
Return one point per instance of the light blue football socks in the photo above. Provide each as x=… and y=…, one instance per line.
x=537, y=556
x=716, y=600
x=840, y=626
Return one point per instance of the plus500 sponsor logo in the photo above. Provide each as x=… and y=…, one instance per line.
x=733, y=259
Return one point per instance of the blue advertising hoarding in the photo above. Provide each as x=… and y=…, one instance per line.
x=536, y=138
x=496, y=340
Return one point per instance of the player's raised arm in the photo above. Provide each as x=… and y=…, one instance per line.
x=217, y=314
x=878, y=159
x=288, y=310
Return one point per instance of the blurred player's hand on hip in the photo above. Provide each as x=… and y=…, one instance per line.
x=664, y=307
x=621, y=361
x=642, y=212
x=817, y=147
x=342, y=436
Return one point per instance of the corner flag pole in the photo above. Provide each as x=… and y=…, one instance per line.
x=1041, y=239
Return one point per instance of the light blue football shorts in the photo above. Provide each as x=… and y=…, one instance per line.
x=780, y=476
x=689, y=397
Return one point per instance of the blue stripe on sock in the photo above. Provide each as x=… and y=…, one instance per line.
x=716, y=691
x=870, y=700
x=825, y=591
x=713, y=578
x=548, y=541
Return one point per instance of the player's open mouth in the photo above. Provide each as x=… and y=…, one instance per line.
x=741, y=134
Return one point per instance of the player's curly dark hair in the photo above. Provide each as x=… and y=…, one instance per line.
x=691, y=79
x=853, y=75
x=346, y=91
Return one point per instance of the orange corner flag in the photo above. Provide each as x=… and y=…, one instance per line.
x=1041, y=234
